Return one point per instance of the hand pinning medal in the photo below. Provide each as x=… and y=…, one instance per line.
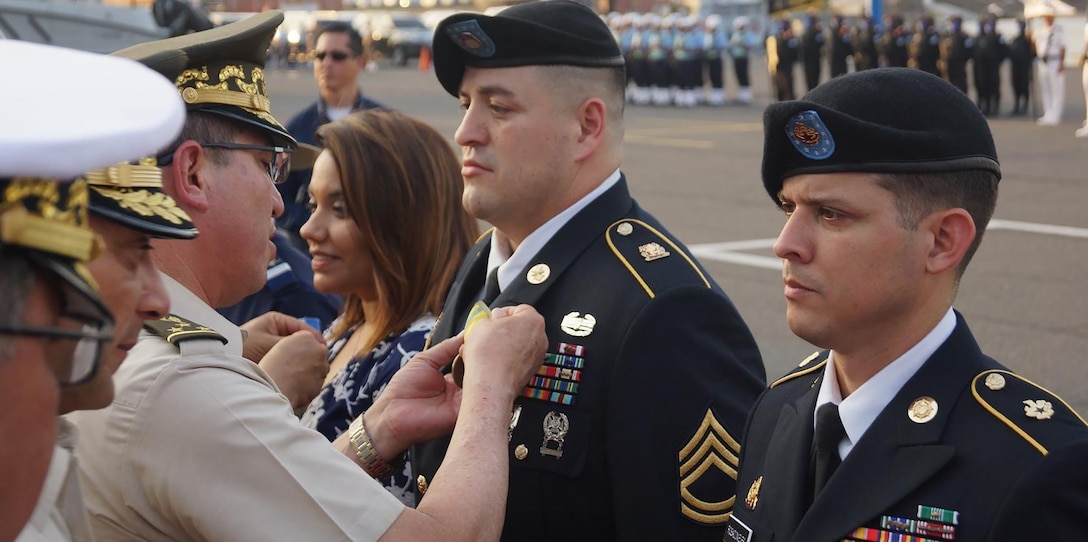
x=479, y=311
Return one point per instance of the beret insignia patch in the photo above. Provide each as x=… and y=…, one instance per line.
x=810, y=136
x=469, y=36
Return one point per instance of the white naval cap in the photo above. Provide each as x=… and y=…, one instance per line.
x=66, y=112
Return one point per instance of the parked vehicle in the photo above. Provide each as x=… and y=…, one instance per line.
x=398, y=36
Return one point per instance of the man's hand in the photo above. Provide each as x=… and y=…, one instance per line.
x=421, y=404
x=297, y=364
x=505, y=351
x=263, y=332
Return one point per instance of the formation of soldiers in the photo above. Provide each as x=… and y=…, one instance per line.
x=671, y=58
x=948, y=54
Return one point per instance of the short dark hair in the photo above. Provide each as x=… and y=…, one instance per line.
x=355, y=41
x=208, y=128
x=609, y=84
x=919, y=194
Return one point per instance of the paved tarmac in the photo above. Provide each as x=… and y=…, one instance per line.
x=697, y=170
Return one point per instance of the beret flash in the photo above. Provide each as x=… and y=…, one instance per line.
x=548, y=32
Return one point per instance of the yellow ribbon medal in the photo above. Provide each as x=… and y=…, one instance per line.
x=480, y=311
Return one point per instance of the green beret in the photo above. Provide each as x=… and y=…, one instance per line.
x=548, y=32
x=221, y=70
x=886, y=120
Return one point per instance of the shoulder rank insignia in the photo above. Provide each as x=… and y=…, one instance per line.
x=711, y=447
x=176, y=329
x=645, y=252
x=810, y=365
x=1030, y=410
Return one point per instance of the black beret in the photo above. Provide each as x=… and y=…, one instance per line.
x=886, y=120
x=544, y=33
x=221, y=70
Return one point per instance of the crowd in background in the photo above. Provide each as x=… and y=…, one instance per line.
x=682, y=59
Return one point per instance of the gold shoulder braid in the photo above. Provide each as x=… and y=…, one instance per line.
x=176, y=329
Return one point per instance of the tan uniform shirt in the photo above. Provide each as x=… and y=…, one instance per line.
x=200, y=445
x=59, y=514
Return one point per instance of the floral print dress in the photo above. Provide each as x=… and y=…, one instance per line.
x=359, y=384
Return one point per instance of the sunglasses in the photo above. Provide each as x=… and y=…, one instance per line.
x=337, y=56
x=278, y=167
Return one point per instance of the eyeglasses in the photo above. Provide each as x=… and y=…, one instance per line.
x=278, y=167
x=92, y=336
x=337, y=56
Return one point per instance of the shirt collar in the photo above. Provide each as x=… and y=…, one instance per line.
x=511, y=265
x=323, y=108
x=867, y=402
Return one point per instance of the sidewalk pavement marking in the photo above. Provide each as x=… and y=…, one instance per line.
x=730, y=252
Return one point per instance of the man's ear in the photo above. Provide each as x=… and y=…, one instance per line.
x=953, y=230
x=187, y=182
x=592, y=121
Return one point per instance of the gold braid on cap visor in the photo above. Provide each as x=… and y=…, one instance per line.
x=196, y=88
x=63, y=232
x=137, y=188
x=143, y=175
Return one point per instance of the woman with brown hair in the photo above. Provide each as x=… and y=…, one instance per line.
x=387, y=232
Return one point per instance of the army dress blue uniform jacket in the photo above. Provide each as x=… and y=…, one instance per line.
x=1001, y=460
x=659, y=372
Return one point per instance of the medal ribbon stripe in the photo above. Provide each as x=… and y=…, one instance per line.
x=554, y=384
x=868, y=534
x=551, y=396
x=903, y=525
x=560, y=372
x=937, y=530
x=560, y=360
x=572, y=349
x=938, y=514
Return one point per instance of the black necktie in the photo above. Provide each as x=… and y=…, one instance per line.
x=825, y=446
x=491, y=287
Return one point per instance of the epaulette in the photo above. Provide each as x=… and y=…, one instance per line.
x=176, y=329
x=1041, y=418
x=811, y=364
x=643, y=250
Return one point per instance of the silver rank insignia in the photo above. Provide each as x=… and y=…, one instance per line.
x=577, y=325
x=556, y=426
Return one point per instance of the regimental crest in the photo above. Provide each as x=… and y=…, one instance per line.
x=176, y=329
x=711, y=447
x=652, y=251
x=469, y=36
x=810, y=136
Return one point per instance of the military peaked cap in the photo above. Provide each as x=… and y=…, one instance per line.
x=886, y=120
x=132, y=195
x=58, y=120
x=221, y=70
x=51, y=135
x=547, y=32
